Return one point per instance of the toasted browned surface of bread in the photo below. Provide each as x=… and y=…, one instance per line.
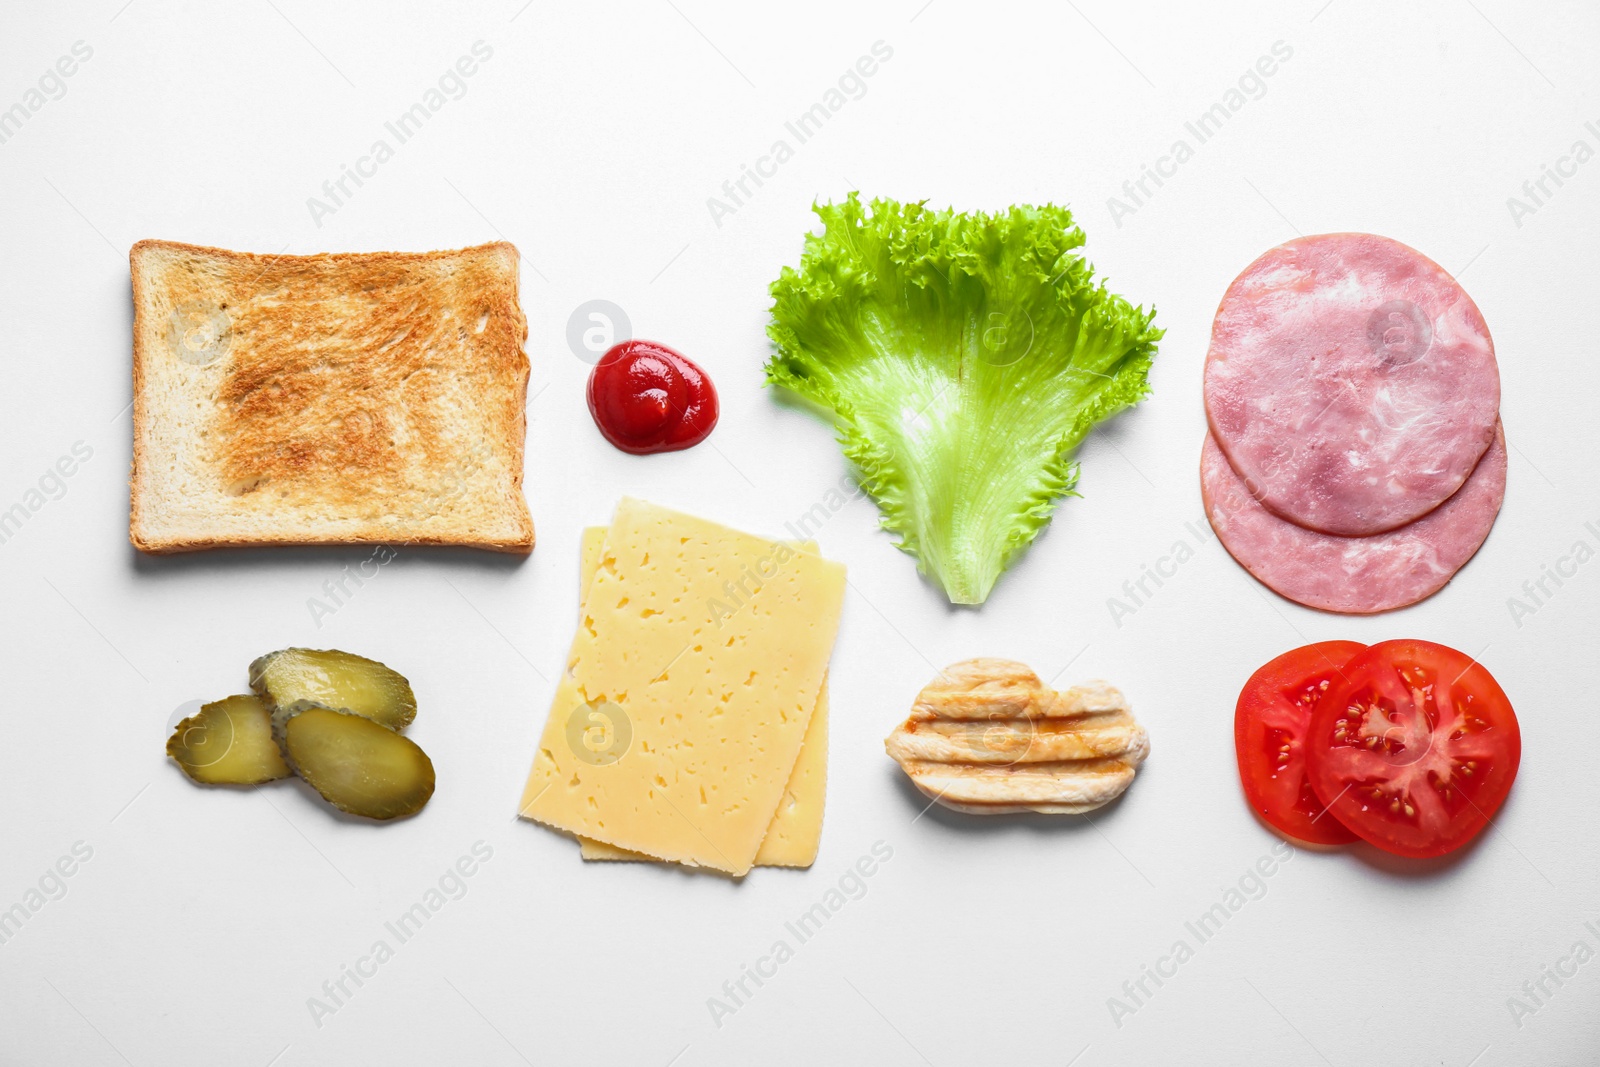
x=329, y=399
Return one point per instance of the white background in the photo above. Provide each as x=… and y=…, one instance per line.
x=205, y=919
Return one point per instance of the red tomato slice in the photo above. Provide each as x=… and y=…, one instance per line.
x=1269, y=730
x=1415, y=748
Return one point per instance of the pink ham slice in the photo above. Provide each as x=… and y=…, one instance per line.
x=1355, y=575
x=1351, y=382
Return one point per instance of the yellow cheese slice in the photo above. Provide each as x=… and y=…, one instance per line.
x=690, y=685
x=593, y=549
x=796, y=828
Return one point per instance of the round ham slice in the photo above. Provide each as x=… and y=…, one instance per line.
x=1355, y=575
x=1351, y=382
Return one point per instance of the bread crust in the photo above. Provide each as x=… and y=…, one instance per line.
x=297, y=361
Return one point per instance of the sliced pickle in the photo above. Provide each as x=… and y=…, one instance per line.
x=333, y=679
x=228, y=742
x=358, y=765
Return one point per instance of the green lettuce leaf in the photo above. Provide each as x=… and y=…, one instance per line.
x=964, y=357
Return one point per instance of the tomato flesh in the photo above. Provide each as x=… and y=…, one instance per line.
x=1269, y=732
x=1414, y=748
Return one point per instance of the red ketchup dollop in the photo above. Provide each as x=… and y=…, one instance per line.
x=647, y=398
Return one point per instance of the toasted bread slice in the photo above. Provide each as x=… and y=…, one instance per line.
x=329, y=399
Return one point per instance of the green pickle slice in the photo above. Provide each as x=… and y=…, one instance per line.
x=358, y=765
x=228, y=742
x=333, y=679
